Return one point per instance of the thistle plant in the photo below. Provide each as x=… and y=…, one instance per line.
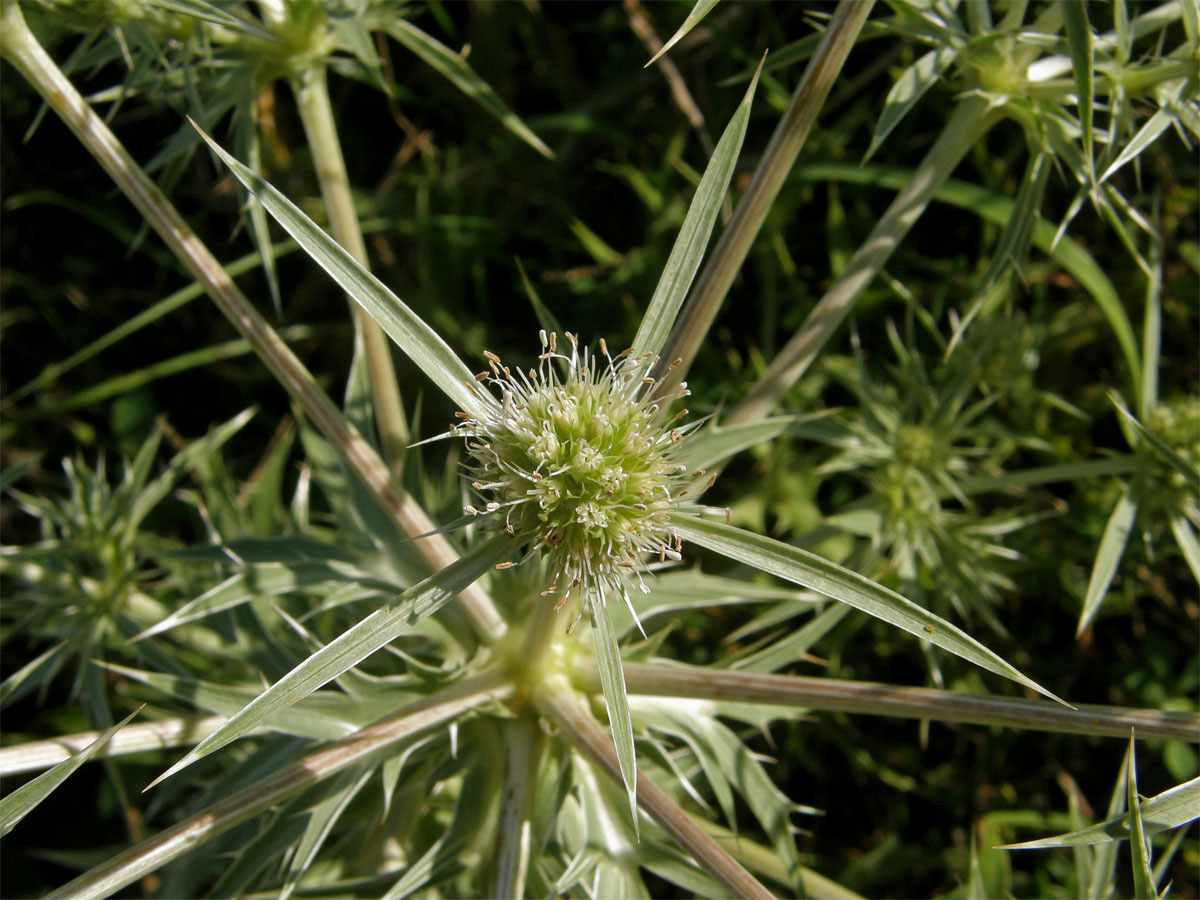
x=580, y=470
x=410, y=700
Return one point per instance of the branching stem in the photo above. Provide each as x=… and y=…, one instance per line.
x=726, y=259
x=312, y=97
x=835, y=695
x=968, y=123
x=152, y=854
x=578, y=725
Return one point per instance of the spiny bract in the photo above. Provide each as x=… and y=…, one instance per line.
x=580, y=466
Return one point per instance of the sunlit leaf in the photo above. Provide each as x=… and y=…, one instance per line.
x=454, y=69
x=908, y=90
x=1143, y=878
x=697, y=227
x=1108, y=556
x=422, y=344
x=25, y=799
x=832, y=580
x=612, y=682
x=353, y=646
x=699, y=11
x=1172, y=808
x=1079, y=42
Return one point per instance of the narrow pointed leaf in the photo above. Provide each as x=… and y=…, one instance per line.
x=1172, y=808
x=209, y=12
x=999, y=210
x=685, y=257
x=1108, y=556
x=1014, y=241
x=699, y=11
x=269, y=580
x=24, y=799
x=909, y=88
x=454, y=69
x=714, y=444
x=311, y=717
x=1103, y=876
x=812, y=571
x=1143, y=878
x=321, y=820
x=406, y=328
x=1185, y=537
x=612, y=682
x=1146, y=135
x=353, y=646
x=19, y=682
x=1079, y=43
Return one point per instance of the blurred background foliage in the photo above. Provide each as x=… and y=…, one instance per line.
x=450, y=201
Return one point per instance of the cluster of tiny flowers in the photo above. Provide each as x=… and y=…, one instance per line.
x=579, y=467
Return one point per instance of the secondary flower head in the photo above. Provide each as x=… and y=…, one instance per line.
x=574, y=460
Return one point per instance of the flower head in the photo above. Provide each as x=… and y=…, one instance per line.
x=574, y=460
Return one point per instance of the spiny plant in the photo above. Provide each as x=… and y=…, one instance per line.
x=435, y=722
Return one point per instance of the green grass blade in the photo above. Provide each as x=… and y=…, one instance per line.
x=1072, y=471
x=24, y=799
x=130, y=326
x=699, y=11
x=999, y=210
x=716, y=443
x=1191, y=23
x=311, y=717
x=321, y=820
x=406, y=328
x=812, y=571
x=353, y=646
x=1108, y=557
x=251, y=150
x=1185, y=537
x=685, y=257
x=1103, y=876
x=1014, y=240
x=612, y=683
x=20, y=683
x=1172, y=808
x=269, y=580
x=1146, y=135
x=1079, y=44
x=794, y=646
x=546, y=319
x=1143, y=878
x=908, y=90
x=128, y=381
x=1151, y=334
x=10, y=475
x=454, y=69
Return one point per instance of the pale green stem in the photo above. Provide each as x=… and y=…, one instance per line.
x=316, y=113
x=576, y=723
x=20, y=47
x=835, y=695
x=765, y=861
x=204, y=826
x=726, y=259
x=177, y=732
x=969, y=122
x=1136, y=81
x=523, y=745
x=540, y=632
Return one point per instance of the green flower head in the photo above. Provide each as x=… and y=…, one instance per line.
x=575, y=461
